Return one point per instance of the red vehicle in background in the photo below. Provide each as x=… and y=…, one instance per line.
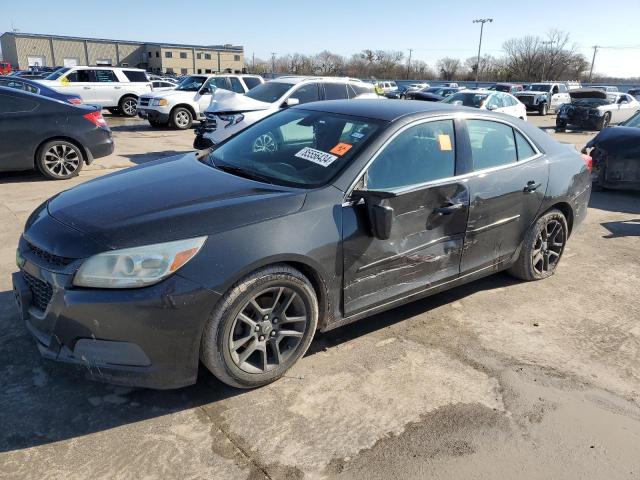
x=5, y=68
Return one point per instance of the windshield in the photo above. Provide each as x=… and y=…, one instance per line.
x=191, y=84
x=269, y=92
x=633, y=121
x=435, y=90
x=590, y=102
x=57, y=74
x=503, y=88
x=468, y=99
x=299, y=148
x=540, y=87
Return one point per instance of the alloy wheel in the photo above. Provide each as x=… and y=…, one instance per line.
x=548, y=247
x=265, y=143
x=268, y=330
x=61, y=160
x=182, y=119
x=130, y=107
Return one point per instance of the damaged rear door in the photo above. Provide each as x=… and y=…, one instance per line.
x=415, y=175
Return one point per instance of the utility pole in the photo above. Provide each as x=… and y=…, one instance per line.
x=273, y=64
x=253, y=62
x=481, y=21
x=544, y=59
x=409, y=63
x=593, y=60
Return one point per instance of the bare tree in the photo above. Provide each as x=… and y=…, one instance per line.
x=448, y=68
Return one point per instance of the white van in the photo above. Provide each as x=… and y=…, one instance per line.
x=114, y=88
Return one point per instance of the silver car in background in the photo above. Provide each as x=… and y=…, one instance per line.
x=595, y=108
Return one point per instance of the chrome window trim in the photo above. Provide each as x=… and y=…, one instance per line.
x=464, y=176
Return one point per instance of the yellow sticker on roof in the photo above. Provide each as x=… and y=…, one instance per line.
x=445, y=143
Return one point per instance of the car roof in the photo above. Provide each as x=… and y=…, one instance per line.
x=381, y=109
x=295, y=79
x=103, y=67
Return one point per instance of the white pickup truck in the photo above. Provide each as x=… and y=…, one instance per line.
x=187, y=102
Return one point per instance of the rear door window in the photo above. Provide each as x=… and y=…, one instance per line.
x=492, y=144
x=81, y=76
x=105, y=76
x=335, y=91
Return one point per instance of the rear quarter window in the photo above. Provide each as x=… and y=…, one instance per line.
x=11, y=104
x=251, y=82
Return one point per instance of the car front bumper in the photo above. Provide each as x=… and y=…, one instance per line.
x=153, y=115
x=144, y=337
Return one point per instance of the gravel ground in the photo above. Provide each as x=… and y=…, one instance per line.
x=495, y=379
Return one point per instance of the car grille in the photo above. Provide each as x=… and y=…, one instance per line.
x=49, y=257
x=41, y=292
x=526, y=99
x=144, y=102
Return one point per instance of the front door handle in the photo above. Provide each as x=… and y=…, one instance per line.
x=448, y=209
x=531, y=186
x=87, y=88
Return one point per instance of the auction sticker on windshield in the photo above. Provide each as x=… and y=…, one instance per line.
x=316, y=156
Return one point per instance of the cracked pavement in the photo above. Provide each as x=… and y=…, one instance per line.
x=495, y=379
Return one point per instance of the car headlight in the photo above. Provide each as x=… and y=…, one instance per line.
x=231, y=119
x=137, y=266
x=159, y=102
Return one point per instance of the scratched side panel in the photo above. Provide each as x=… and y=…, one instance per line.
x=424, y=248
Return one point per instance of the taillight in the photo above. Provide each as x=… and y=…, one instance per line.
x=96, y=118
x=588, y=161
x=75, y=101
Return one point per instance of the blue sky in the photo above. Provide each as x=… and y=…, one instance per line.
x=432, y=29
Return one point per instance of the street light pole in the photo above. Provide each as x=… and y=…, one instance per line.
x=481, y=21
x=409, y=63
x=273, y=64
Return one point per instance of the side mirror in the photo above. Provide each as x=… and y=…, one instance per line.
x=380, y=216
x=205, y=91
x=491, y=107
x=290, y=102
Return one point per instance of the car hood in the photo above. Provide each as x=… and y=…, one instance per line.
x=178, y=197
x=172, y=94
x=618, y=139
x=587, y=93
x=530, y=92
x=227, y=101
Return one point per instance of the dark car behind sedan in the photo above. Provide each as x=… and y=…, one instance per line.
x=56, y=138
x=432, y=94
x=616, y=156
x=32, y=86
x=234, y=257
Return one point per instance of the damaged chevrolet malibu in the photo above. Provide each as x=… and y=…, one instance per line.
x=234, y=257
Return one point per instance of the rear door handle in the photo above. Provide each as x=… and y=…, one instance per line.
x=531, y=186
x=448, y=209
x=87, y=88
x=117, y=88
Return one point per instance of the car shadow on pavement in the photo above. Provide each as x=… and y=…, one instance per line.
x=23, y=176
x=626, y=228
x=616, y=201
x=385, y=319
x=42, y=402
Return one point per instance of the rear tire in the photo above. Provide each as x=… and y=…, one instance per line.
x=260, y=328
x=181, y=118
x=114, y=111
x=128, y=106
x=542, y=247
x=59, y=160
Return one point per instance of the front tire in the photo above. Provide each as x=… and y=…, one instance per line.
x=604, y=121
x=128, y=106
x=543, y=109
x=59, y=160
x=542, y=247
x=181, y=118
x=261, y=327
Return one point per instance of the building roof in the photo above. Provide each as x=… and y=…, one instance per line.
x=227, y=47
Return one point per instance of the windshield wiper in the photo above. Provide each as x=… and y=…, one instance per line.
x=241, y=172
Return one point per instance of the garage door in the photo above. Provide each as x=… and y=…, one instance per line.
x=36, y=61
x=71, y=62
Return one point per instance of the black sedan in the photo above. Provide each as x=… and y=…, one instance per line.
x=32, y=86
x=55, y=137
x=235, y=257
x=432, y=94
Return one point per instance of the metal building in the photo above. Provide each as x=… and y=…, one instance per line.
x=24, y=50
